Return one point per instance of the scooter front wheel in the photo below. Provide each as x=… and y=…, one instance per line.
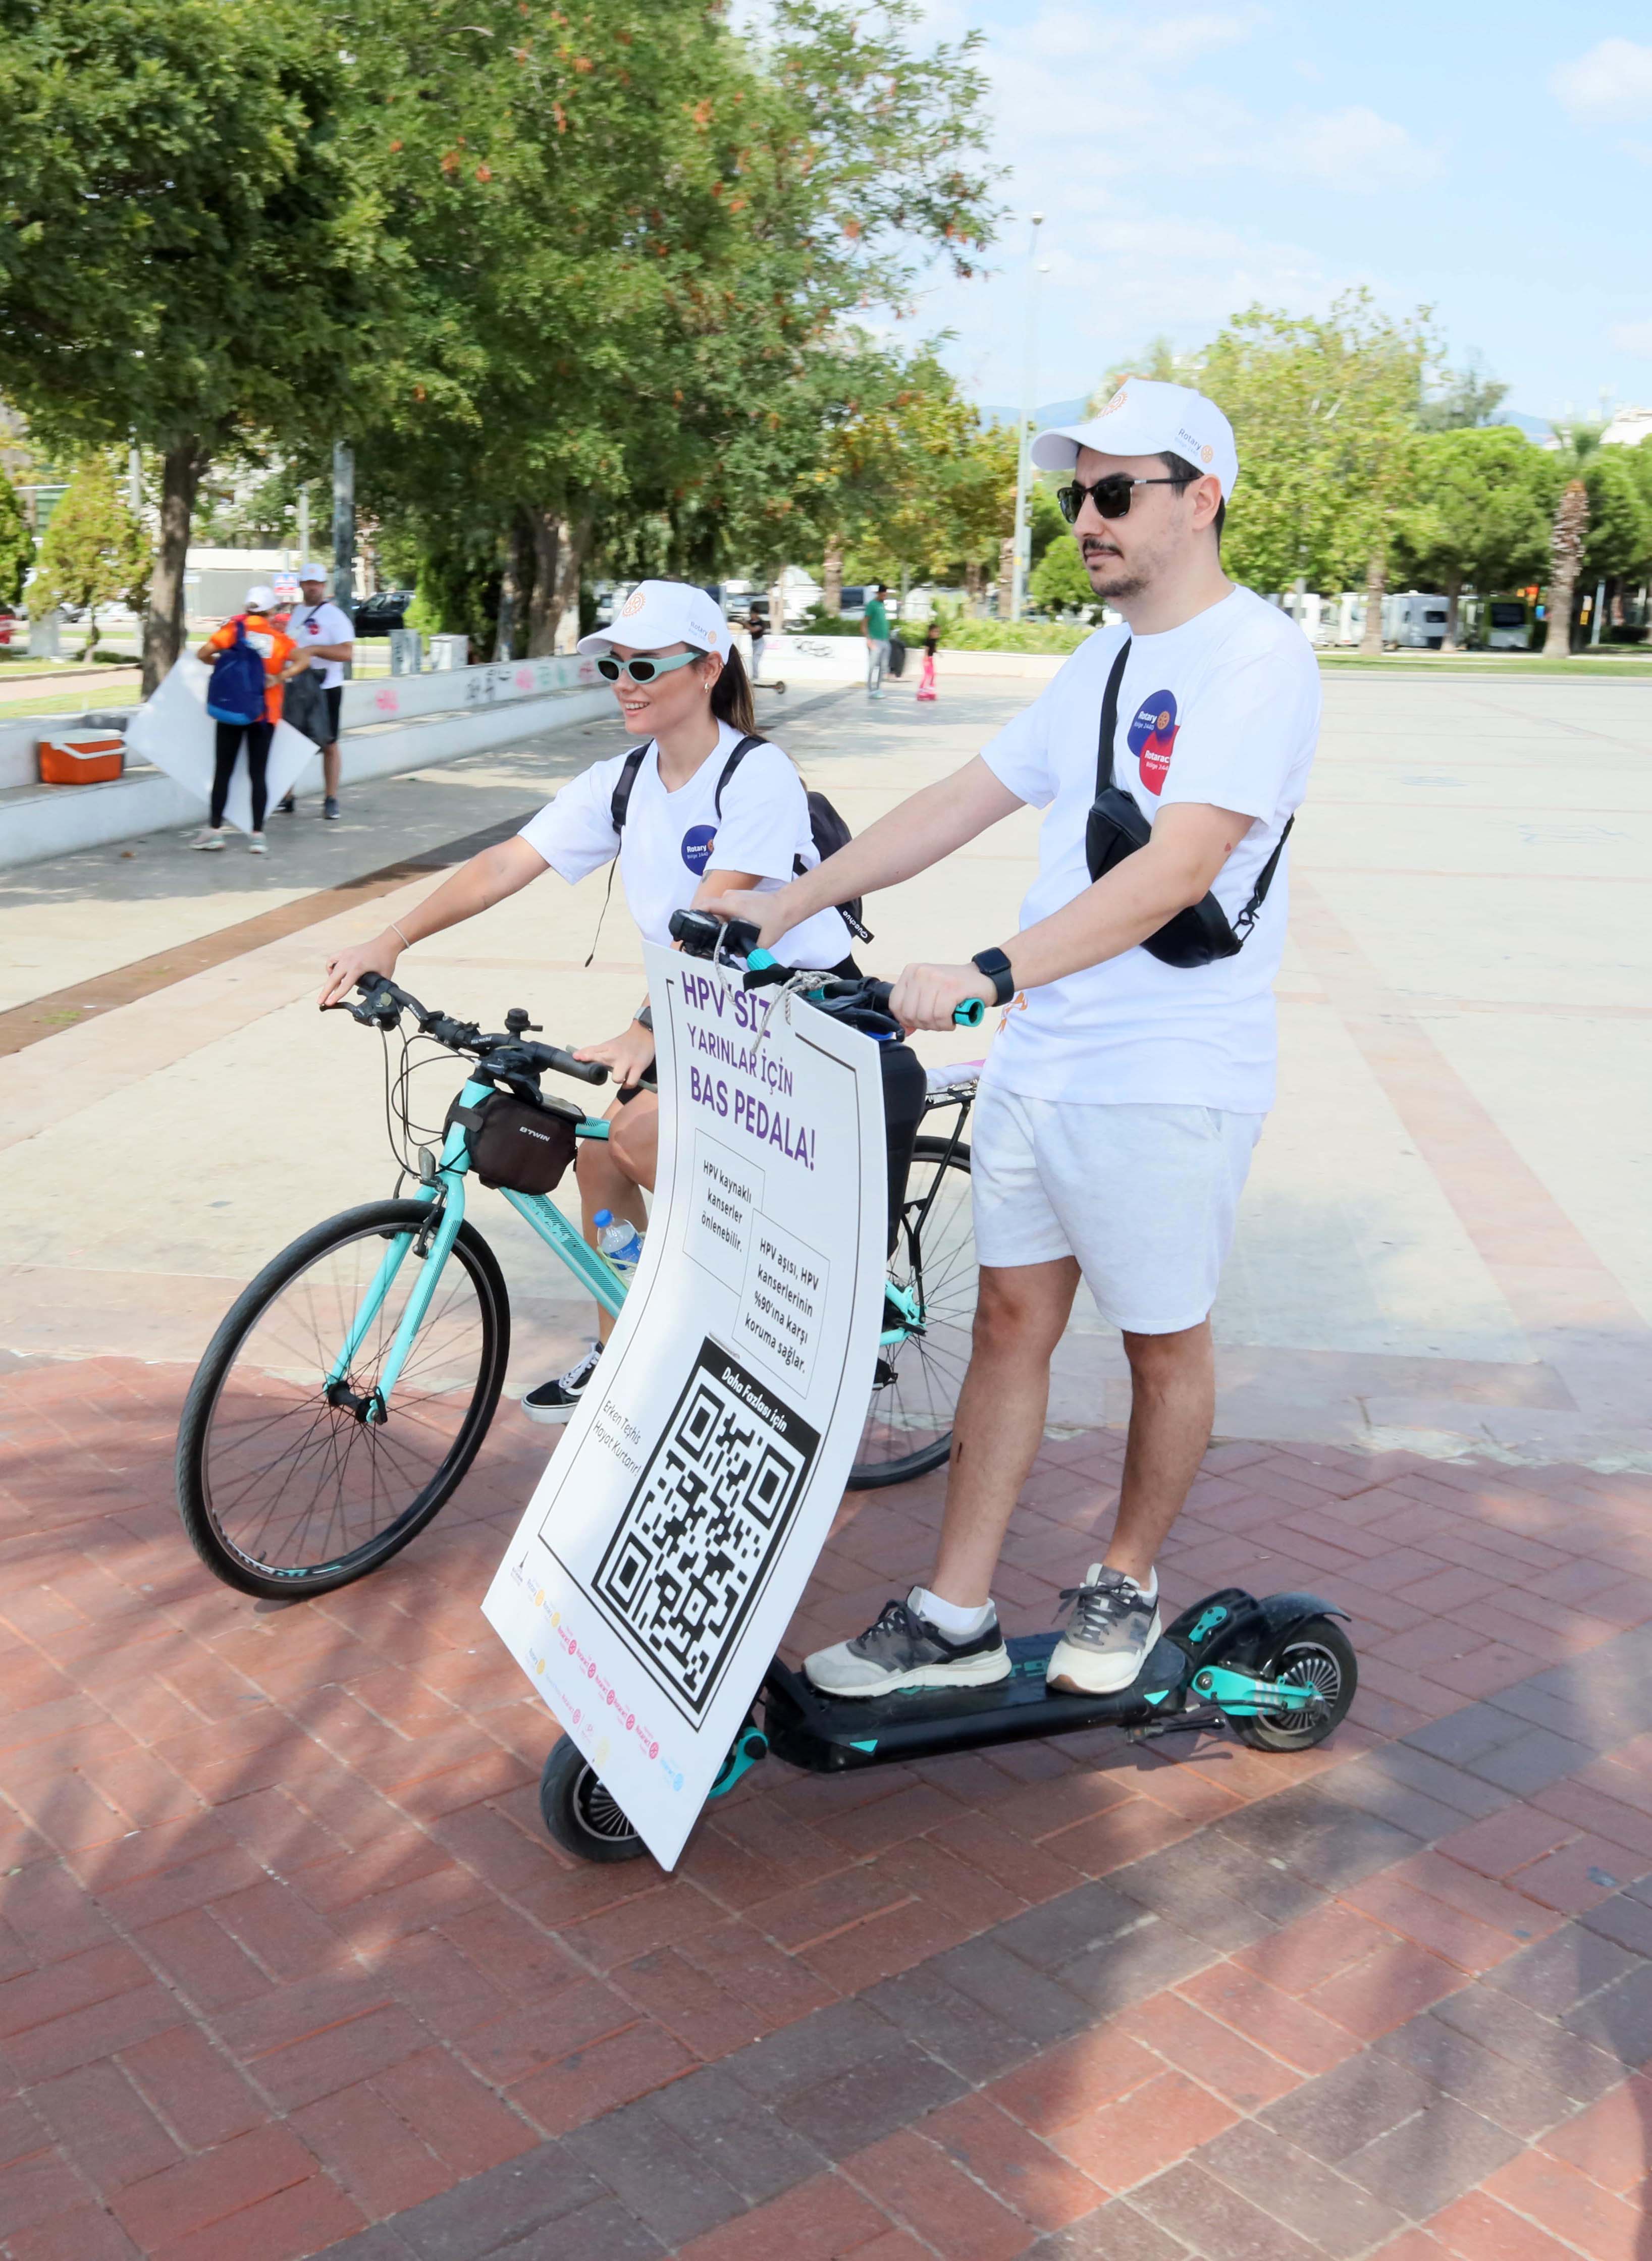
x=1315, y=1655
x=579, y=1814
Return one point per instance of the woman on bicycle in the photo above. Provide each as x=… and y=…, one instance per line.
x=695, y=823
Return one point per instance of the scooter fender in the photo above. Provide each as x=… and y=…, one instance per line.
x=1257, y=1633
x=1232, y=1626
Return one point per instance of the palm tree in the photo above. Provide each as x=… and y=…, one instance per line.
x=1565, y=555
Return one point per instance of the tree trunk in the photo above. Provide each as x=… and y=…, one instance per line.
x=972, y=589
x=831, y=578
x=553, y=614
x=181, y=468
x=1375, y=589
x=575, y=543
x=1006, y=576
x=1565, y=554
x=515, y=582
x=1453, y=599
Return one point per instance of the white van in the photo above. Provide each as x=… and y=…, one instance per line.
x=1414, y=621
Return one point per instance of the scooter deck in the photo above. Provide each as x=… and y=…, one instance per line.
x=829, y=1735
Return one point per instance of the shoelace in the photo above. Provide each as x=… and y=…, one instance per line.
x=1098, y=1607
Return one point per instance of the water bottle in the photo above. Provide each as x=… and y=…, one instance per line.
x=619, y=1242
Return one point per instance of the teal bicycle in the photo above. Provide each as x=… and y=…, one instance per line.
x=349, y=1386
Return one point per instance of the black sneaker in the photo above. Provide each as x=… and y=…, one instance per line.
x=330, y=809
x=1112, y=1627
x=903, y=1650
x=287, y=806
x=554, y=1401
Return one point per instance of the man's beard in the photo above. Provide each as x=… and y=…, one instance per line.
x=1132, y=583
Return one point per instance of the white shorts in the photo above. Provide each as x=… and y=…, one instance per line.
x=1144, y=1196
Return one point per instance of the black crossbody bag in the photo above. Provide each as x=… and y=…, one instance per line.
x=1116, y=827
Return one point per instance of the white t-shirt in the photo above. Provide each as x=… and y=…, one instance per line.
x=672, y=839
x=323, y=623
x=1223, y=711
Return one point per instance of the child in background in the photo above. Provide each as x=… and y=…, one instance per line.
x=926, y=681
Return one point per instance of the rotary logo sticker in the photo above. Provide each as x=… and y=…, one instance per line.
x=1152, y=737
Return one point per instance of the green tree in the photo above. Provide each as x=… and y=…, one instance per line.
x=17, y=544
x=191, y=256
x=94, y=552
x=1326, y=415
x=1619, y=536
x=1059, y=578
x=1465, y=397
x=1482, y=516
x=635, y=243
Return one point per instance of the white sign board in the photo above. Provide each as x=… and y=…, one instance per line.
x=174, y=730
x=666, y=1548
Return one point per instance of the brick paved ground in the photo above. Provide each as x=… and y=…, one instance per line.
x=287, y=1964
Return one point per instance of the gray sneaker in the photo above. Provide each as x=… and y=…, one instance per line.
x=903, y=1650
x=1112, y=1627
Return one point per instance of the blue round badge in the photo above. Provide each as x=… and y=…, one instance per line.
x=697, y=846
x=1152, y=737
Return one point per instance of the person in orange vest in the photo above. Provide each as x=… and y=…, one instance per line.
x=251, y=659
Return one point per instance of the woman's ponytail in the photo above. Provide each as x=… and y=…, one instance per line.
x=731, y=696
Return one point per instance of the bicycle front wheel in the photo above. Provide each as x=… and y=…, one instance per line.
x=285, y=1488
x=933, y=1276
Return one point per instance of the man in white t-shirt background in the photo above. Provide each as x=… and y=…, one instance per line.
x=328, y=633
x=1123, y=1096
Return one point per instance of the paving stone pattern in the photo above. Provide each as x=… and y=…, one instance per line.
x=287, y=1965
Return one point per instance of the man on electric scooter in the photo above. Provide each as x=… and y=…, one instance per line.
x=1134, y=1066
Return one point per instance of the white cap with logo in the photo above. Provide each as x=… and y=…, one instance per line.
x=1146, y=417
x=315, y=573
x=660, y=612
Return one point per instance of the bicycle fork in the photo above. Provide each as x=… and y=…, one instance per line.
x=448, y=1188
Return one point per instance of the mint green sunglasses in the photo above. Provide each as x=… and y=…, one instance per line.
x=642, y=670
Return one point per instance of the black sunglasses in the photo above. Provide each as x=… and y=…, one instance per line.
x=1111, y=495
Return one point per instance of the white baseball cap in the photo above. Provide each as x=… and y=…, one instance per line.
x=315, y=573
x=259, y=599
x=659, y=612
x=1146, y=417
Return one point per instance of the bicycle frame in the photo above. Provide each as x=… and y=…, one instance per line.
x=445, y=1192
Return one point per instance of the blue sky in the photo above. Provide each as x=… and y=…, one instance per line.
x=1493, y=161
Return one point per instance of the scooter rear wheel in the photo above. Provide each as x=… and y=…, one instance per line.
x=1317, y=1654
x=580, y=1815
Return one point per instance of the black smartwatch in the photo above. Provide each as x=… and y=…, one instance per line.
x=996, y=966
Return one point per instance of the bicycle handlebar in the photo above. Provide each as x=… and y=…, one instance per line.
x=703, y=935
x=383, y=1001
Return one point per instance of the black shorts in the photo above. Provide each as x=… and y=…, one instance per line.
x=334, y=697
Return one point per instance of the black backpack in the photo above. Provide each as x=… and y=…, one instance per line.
x=827, y=828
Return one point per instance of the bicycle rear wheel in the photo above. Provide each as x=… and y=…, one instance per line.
x=284, y=1492
x=909, y=1427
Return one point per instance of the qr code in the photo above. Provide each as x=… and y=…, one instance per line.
x=697, y=1539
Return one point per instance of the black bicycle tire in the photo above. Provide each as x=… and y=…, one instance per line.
x=194, y=1428
x=878, y=1475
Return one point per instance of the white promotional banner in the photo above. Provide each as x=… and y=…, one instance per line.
x=666, y=1548
x=174, y=730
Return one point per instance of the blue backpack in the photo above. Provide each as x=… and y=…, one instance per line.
x=236, y=692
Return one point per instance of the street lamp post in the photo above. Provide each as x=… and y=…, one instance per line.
x=1029, y=369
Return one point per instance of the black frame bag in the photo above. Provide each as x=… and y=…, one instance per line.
x=304, y=703
x=516, y=1144
x=1116, y=827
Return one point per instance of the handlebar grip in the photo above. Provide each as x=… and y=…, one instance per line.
x=969, y=1015
x=587, y=1071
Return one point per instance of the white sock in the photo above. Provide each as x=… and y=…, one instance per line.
x=946, y=1616
x=1150, y=1591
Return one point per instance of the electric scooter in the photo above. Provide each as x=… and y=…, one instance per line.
x=1278, y=1671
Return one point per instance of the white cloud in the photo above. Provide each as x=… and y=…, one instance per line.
x=1613, y=80
x=1353, y=150
x=1633, y=337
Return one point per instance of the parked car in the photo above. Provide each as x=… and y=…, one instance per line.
x=386, y=609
